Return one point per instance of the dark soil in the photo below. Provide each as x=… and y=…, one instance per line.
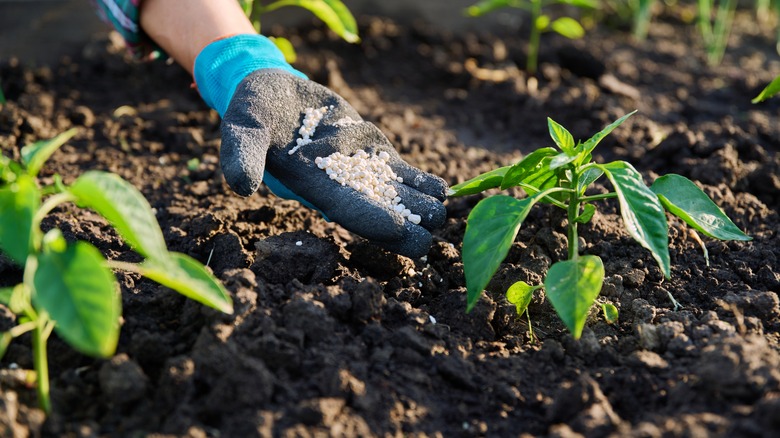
x=336, y=337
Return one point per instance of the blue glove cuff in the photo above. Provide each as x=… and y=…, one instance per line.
x=223, y=64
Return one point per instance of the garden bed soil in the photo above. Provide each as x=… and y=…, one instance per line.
x=337, y=337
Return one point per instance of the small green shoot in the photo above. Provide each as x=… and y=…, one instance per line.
x=561, y=177
x=334, y=13
x=566, y=26
x=68, y=287
x=770, y=90
x=610, y=313
x=715, y=31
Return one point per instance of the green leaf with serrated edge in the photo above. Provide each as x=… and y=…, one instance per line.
x=520, y=294
x=528, y=165
x=588, y=145
x=588, y=210
x=572, y=287
x=483, y=7
x=190, y=278
x=19, y=201
x=684, y=199
x=770, y=90
x=610, y=313
x=490, y=230
x=561, y=160
x=81, y=294
x=568, y=27
x=124, y=207
x=561, y=136
x=35, y=155
x=480, y=183
x=285, y=46
x=588, y=177
x=642, y=212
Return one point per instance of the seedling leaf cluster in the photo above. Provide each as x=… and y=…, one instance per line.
x=69, y=287
x=540, y=22
x=560, y=177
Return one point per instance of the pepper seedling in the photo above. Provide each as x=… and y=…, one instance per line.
x=540, y=22
x=560, y=177
x=68, y=287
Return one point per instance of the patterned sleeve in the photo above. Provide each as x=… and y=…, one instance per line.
x=124, y=16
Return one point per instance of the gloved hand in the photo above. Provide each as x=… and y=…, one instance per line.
x=262, y=100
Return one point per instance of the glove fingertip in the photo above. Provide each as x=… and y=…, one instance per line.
x=416, y=243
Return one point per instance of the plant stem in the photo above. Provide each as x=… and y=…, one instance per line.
x=592, y=198
x=573, y=213
x=41, y=364
x=533, y=40
x=50, y=204
x=530, y=189
x=124, y=266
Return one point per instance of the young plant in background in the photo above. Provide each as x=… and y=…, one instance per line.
x=643, y=14
x=715, y=30
x=560, y=177
x=68, y=287
x=566, y=26
x=333, y=13
x=770, y=90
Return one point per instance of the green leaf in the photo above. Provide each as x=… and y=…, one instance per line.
x=81, y=294
x=485, y=6
x=582, y=4
x=333, y=13
x=18, y=203
x=610, y=313
x=542, y=22
x=478, y=184
x=572, y=287
x=285, y=46
x=5, y=341
x=588, y=177
x=35, y=155
x=591, y=143
x=520, y=294
x=187, y=276
x=124, y=207
x=561, y=160
x=770, y=90
x=542, y=179
x=684, y=199
x=643, y=215
x=561, y=136
x=490, y=230
x=568, y=27
x=588, y=210
x=530, y=164
x=16, y=298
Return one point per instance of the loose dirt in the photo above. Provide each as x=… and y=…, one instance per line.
x=335, y=336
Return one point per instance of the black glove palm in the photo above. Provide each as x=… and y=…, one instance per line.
x=260, y=128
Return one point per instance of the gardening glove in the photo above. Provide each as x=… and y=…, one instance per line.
x=262, y=100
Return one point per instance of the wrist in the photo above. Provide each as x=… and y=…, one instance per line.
x=224, y=63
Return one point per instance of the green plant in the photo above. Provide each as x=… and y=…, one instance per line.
x=560, y=177
x=333, y=13
x=643, y=14
x=566, y=26
x=769, y=91
x=715, y=30
x=68, y=287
